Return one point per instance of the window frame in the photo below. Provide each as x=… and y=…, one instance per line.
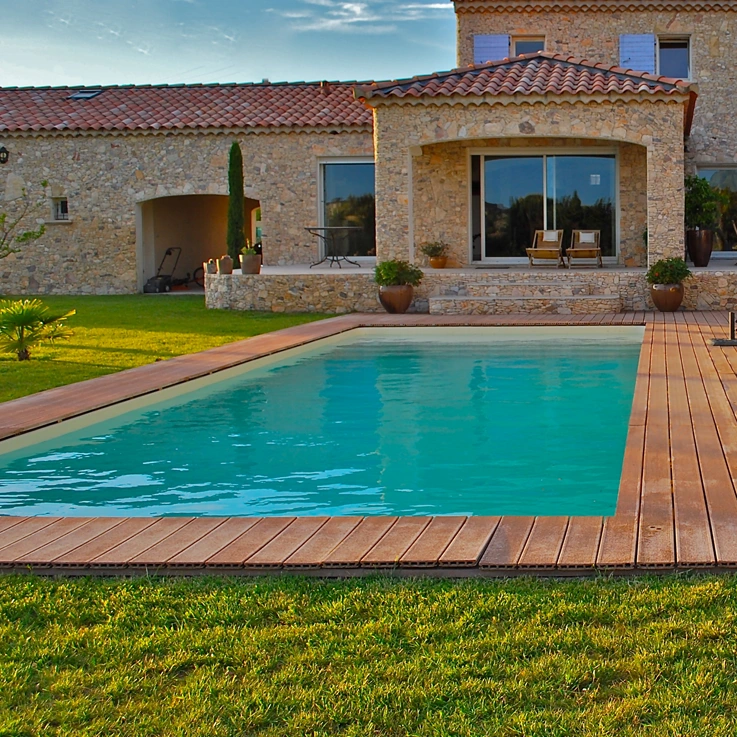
x=514, y=39
x=321, y=162
x=54, y=203
x=674, y=38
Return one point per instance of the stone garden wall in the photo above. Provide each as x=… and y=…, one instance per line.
x=356, y=291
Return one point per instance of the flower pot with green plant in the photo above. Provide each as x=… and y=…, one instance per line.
x=396, y=280
x=703, y=209
x=666, y=283
x=250, y=261
x=437, y=252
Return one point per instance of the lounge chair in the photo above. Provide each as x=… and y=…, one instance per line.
x=547, y=245
x=585, y=244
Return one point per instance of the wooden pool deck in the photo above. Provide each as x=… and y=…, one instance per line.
x=677, y=506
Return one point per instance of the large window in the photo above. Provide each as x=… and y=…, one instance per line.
x=725, y=179
x=348, y=200
x=513, y=196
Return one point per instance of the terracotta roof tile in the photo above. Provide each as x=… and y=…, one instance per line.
x=163, y=107
x=542, y=73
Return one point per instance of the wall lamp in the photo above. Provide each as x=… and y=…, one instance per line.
x=4, y=154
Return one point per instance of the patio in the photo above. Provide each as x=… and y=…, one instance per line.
x=677, y=506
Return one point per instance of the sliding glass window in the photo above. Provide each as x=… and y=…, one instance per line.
x=513, y=196
x=348, y=200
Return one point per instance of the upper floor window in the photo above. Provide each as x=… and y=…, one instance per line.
x=668, y=56
x=59, y=208
x=674, y=57
x=527, y=45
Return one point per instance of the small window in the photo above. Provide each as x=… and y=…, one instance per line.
x=87, y=94
x=527, y=45
x=674, y=58
x=60, y=208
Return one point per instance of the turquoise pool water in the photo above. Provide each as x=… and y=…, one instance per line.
x=383, y=421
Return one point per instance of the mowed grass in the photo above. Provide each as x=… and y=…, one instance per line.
x=116, y=333
x=291, y=657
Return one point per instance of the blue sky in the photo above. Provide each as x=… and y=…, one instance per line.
x=66, y=42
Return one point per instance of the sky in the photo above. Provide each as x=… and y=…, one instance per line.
x=91, y=42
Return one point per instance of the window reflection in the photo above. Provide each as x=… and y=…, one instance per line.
x=348, y=191
x=726, y=181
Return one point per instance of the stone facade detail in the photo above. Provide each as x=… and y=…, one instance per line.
x=105, y=177
x=593, y=34
x=420, y=159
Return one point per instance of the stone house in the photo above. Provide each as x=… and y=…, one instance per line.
x=566, y=114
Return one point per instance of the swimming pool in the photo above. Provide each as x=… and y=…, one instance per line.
x=422, y=421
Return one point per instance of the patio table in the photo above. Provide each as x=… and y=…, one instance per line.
x=332, y=237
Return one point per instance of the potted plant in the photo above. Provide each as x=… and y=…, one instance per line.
x=703, y=208
x=396, y=280
x=250, y=261
x=666, y=283
x=437, y=252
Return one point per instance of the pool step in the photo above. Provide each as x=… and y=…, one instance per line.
x=575, y=304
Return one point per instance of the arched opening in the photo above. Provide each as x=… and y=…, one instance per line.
x=196, y=224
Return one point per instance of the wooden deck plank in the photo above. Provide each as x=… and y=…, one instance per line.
x=426, y=550
x=46, y=554
x=314, y=552
x=656, y=536
x=25, y=527
x=286, y=543
x=83, y=554
x=7, y=522
x=21, y=548
x=366, y=534
x=694, y=545
x=179, y=540
x=391, y=547
x=243, y=547
x=507, y=542
x=122, y=553
x=544, y=543
x=213, y=542
x=466, y=548
x=581, y=543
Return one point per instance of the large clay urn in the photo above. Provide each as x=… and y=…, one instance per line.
x=700, y=244
x=396, y=298
x=667, y=297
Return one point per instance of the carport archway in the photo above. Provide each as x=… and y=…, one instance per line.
x=195, y=223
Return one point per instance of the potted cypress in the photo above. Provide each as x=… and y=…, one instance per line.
x=703, y=207
x=235, y=238
x=666, y=283
x=396, y=280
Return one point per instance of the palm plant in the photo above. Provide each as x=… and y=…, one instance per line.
x=26, y=323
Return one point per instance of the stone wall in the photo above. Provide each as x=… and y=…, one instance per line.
x=356, y=292
x=402, y=130
x=105, y=177
x=440, y=193
x=594, y=35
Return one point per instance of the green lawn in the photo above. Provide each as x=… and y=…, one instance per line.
x=291, y=657
x=116, y=333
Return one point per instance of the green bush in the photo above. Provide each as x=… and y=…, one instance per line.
x=392, y=273
x=436, y=249
x=668, y=271
x=26, y=323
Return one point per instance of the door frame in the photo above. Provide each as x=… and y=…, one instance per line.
x=543, y=151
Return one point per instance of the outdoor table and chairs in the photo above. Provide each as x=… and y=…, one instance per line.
x=335, y=243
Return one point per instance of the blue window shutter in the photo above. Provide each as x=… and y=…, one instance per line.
x=490, y=48
x=637, y=52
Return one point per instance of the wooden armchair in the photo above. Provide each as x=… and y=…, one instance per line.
x=547, y=245
x=585, y=244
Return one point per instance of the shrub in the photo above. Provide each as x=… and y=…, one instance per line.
x=392, y=273
x=435, y=249
x=26, y=323
x=668, y=271
x=236, y=238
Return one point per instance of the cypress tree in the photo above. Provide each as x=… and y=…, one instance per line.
x=236, y=211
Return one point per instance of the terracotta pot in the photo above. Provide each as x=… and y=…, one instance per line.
x=225, y=265
x=250, y=264
x=438, y=262
x=396, y=298
x=700, y=244
x=667, y=297
x=210, y=266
